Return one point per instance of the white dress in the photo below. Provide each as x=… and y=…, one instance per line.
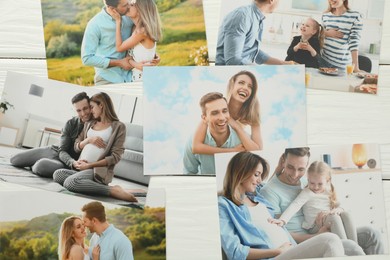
x=140, y=54
x=90, y=152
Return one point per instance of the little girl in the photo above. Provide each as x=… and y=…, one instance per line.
x=305, y=49
x=317, y=198
x=146, y=32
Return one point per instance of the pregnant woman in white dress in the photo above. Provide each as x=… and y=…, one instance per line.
x=101, y=143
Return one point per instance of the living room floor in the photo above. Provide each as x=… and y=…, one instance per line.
x=24, y=176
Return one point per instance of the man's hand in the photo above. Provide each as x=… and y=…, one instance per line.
x=239, y=148
x=97, y=141
x=334, y=33
x=124, y=63
x=82, y=165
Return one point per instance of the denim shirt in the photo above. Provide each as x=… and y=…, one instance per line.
x=205, y=163
x=98, y=46
x=114, y=245
x=238, y=233
x=239, y=37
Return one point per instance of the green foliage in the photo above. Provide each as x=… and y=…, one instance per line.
x=165, y=5
x=38, y=238
x=61, y=46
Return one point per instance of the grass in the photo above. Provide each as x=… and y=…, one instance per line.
x=70, y=70
x=144, y=255
x=183, y=31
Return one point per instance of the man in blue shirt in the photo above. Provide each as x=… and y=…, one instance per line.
x=285, y=185
x=98, y=46
x=215, y=114
x=240, y=34
x=107, y=241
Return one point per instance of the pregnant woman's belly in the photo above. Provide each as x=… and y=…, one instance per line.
x=91, y=153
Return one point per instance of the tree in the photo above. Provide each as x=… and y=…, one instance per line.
x=60, y=47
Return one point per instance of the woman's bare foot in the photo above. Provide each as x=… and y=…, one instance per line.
x=119, y=193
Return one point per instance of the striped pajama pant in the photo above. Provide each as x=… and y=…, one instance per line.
x=80, y=182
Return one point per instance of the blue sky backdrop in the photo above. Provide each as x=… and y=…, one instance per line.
x=172, y=112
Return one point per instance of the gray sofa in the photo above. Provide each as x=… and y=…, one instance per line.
x=130, y=167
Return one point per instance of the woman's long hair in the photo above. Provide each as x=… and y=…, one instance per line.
x=149, y=18
x=323, y=169
x=240, y=168
x=320, y=32
x=66, y=240
x=330, y=9
x=249, y=113
x=108, y=107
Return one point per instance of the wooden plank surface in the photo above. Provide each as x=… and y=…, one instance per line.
x=192, y=219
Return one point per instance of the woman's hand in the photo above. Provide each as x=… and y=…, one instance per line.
x=285, y=246
x=334, y=33
x=96, y=252
x=82, y=165
x=233, y=123
x=97, y=141
x=114, y=14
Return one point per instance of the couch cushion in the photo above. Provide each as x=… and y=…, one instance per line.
x=134, y=143
x=133, y=156
x=134, y=130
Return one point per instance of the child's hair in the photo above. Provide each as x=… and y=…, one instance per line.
x=322, y=169
x=149, y=18
x=320, y=32
x=250, y=110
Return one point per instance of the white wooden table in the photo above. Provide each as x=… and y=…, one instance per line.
x=192, y=217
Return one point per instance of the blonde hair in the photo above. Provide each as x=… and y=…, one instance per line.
x=66, y=240
x=249, y=113
x=240, y=168
x=323, y=169
x=108, y=107
x=149, y=19
x=320, y=32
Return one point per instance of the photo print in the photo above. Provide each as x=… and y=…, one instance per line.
x=257, y=108
x=68, y=227
x=55, y=139
x=339, y=43
x=277, y=197
x=84, y=48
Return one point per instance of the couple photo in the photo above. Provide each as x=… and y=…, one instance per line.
x=339, y=39
x=207, y=111
x=87, y=143
x=78, y=228
x=103, y=42
x=293, y=210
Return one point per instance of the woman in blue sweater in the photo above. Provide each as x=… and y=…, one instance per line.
x=246, y=232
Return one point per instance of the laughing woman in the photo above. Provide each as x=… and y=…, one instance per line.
x=246, y=232
x=71, y=244
x=95, y=167
x=244, y=111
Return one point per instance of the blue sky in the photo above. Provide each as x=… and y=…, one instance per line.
x=171, y=110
